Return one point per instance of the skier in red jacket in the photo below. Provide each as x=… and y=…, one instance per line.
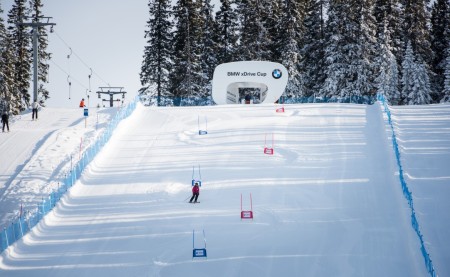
x=195, y=193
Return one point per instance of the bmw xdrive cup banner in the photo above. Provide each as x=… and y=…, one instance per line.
x=249, y=82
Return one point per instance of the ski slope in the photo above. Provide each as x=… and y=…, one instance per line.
x=35, y=154
x=327, y=203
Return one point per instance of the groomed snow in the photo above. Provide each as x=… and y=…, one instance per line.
x=327, y=203
x=36, y=154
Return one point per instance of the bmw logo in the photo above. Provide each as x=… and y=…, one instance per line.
x=276, y=73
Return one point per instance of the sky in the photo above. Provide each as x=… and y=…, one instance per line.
x=328, y=202
x=106, y=36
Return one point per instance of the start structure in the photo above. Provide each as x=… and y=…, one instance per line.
x=250, y=82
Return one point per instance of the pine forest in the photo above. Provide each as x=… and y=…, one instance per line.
x=332, y=49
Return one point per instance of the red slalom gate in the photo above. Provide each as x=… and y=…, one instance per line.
x=268, y=150
x=280, y=110
x=248, y=214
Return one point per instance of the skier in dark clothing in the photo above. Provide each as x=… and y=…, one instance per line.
x=34, y=108
x=5, y=118
x=247, y=99
x=195, y=193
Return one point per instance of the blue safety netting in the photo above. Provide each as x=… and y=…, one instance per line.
x=208, y=101
x=406, y=191
x=23, y=224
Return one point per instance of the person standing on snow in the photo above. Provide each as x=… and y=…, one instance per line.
x=195, y=193
x=82, y=103
x=247, y=98
x=5, y=118
x=34, y=108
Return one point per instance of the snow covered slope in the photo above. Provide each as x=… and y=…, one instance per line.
x=36, y=154
x=327, y=203
x=423, y=134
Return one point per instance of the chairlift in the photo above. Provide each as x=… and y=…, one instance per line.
x=70, y=84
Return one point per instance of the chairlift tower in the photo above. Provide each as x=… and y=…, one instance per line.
x=111, y=91
x=35, y=24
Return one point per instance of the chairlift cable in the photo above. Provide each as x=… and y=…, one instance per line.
x=66, y=73
x=79, y=58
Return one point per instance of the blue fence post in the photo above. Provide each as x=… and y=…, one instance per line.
x=20, y=225
x=6, y=237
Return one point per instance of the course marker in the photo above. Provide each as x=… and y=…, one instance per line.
x=200, y=131
x=198, y=252
x=247, y=214
x=196, y=180
x=268, y=150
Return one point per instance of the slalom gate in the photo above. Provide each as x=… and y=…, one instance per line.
x=247, y=214
x=282, y=100
x=268, y=150
x=406, y=191
x=28, y=219
x=280, y=110
x=200, y=131
x=198, y=252
x=199, y=179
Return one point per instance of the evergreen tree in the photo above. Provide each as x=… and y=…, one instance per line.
x=255, y=42
x=186, y=74
x=416, y=84
x=387, y=80
x=421, y=91
x=312, y=53
x=408, y=67
x=366, y=42
x=336, y=43
x=275, y=15
x=417, y=20
x=440, y=21
x=157, y=53
x=227, y=28
x=8, y=100
x=20, y=40
x=208, y=47
x=349, y=52
x=43, y=55
x=446, y=92
x=389, y=16
x=416, y=26
x=290, y=35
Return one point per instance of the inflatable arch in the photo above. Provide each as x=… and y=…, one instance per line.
x=254, y=82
